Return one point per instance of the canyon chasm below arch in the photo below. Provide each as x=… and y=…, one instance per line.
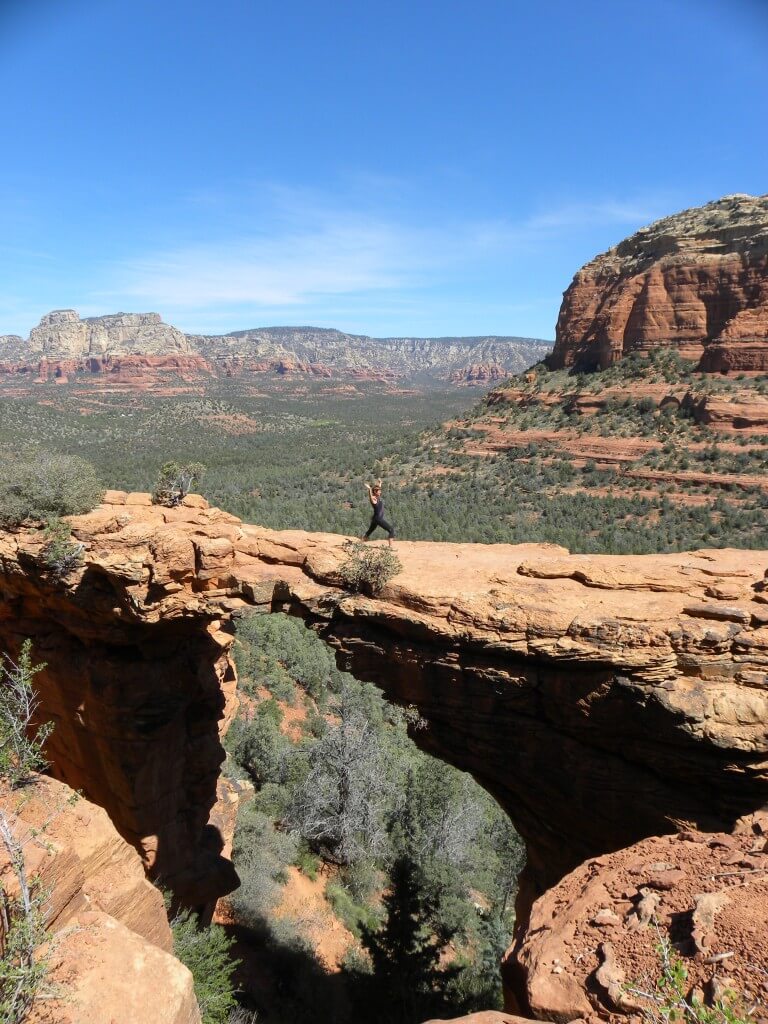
x=600, y=699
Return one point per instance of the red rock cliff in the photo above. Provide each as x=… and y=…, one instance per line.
x=696, y=281
x=600, y=699
x=110, y=957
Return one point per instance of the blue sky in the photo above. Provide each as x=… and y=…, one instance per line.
x=424, y=167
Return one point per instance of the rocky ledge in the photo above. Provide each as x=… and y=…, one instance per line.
x=696, y=281
x=601, y=699
x=592, y=945
x=110, y=943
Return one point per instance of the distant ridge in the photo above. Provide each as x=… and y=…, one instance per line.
x=62, y=335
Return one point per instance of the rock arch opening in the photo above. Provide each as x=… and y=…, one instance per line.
x=592, y=723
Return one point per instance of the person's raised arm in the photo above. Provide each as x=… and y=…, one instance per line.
x=370, y=495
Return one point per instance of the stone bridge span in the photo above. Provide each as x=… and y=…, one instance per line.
x=601, y=699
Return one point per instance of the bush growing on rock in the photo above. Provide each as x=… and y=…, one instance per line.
x=22, y=931
x=206, y=952
x=23, y=911
x=47, y=485
x=60, y=555
x=668, y=999
x=174, y=482
x=21, y=743
x=367, y=569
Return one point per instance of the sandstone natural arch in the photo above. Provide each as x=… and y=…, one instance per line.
x=601, y=699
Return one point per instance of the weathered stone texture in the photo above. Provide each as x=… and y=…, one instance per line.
x=63, y=334
x=591, y=946
x=110, y=955
x=572, y=687
x=696, y=281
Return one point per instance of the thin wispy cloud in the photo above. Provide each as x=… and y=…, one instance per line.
x=306, y=249
x=287, y=270
x=607, y=211
x=280, y=248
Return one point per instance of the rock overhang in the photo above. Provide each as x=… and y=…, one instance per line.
x=599, y=698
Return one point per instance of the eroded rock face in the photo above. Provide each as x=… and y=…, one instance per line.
x=592, y=942
x=63, y=345
x=63, y=334
x=111, y=952
x=601, y=699
x=115, y=691
x=696, y=281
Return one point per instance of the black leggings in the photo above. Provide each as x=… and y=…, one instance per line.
x=383, y=524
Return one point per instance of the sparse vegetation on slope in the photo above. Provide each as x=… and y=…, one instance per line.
x=611, y=461
x=23, y=903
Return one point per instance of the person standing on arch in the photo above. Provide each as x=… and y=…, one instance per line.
x=377, y=519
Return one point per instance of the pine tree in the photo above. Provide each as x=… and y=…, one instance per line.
x=405, y=953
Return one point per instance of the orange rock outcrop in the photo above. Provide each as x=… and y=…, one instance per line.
x=696, y=281
x=110, y=955
x=601, y=699
x=591, y=948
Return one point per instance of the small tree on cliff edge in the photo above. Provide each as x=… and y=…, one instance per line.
x=21, y=742
x=174, y=482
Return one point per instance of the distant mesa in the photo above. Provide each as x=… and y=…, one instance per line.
x=696, y=281
x=135, y=349
x=479, y=374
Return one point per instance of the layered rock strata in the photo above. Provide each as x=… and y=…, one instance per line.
x=63, y=345
x=742, y=410
x=696, y=281
x=126, y=369
x=600, y=699
x=110, y=955
x=479, y=375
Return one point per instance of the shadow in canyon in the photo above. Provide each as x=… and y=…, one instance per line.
x=284, y=982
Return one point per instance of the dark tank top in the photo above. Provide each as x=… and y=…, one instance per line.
x=378, y=509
